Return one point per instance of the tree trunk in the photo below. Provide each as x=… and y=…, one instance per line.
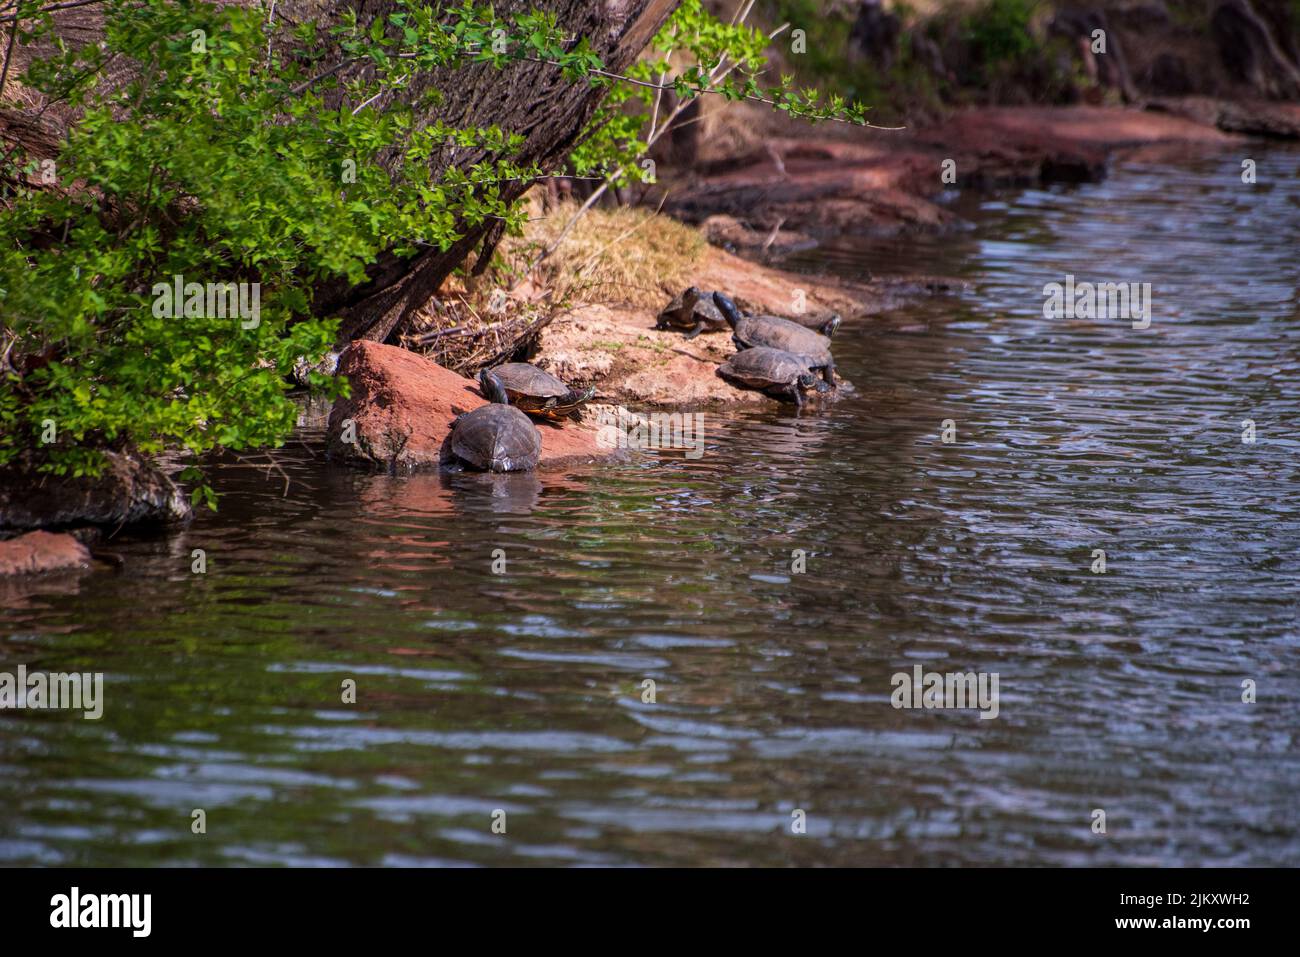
x=531, y=99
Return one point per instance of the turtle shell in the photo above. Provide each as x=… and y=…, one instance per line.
x=823, y=325
x=777, y=333
x=539, y=393
x=763, y=368
x=497, y=438
x=747, y=332
x=522, y=379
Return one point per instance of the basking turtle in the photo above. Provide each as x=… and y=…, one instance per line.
x=496, y=437
x=539, y=393
x=774, y=372
x=693, y=310
x=826, y=327
x=777, y=333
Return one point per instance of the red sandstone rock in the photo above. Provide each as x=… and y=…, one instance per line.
x=1046, y=132
x=883, y=183
x=41, y=552
x=402, y=407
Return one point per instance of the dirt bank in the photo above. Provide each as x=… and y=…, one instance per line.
x=795, y=190
x=618, y=348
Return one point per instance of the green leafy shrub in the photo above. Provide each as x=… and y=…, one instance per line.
x=237, y=153
x=694, y=54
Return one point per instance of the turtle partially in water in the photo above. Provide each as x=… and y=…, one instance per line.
x=539, y=393
x=695, y=311
x=777, y=333
x=774, y=372
x=496, y=437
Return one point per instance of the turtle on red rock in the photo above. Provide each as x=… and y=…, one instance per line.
x=496, y=437
x=539, y=393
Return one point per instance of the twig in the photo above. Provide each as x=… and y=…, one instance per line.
x=14, y=17
x=5, y=363
x=271, y=466
x=9, y=50
x=321, y=76
x=270, y=22
x=771, y=237
x=650, y=142
x=777, y=161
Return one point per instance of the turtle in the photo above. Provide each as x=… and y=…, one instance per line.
x=539, y=393
x=778, y=333
x=774, y=372
x=693, y=310
x=496, y=437
x=826, y=326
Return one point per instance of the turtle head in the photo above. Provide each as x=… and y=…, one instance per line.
x=830, y=326
x=812, y=383
x=727, y=308
x=492, y=388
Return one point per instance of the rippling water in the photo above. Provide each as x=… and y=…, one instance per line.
x=523, y=691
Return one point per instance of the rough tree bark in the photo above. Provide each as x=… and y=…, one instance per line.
x=531, y=99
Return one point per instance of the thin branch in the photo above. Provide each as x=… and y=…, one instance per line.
x=5, y=364
x=9, y=50
x=771, y=238
x=272, y=466
x=654, y=110
x=600, y=191
x=270, y=23
x=13, y=18
x=321, y=76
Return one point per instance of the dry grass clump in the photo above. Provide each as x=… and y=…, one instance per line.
x=623, y=256
x=627, y=255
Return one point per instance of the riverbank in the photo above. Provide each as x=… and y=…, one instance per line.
x=758, y=205
x=795, y=190
x=786, y=197
x=617, y=347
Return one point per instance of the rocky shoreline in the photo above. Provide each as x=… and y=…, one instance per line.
x=631, y=362
x=796, y=191
x=762, y=204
